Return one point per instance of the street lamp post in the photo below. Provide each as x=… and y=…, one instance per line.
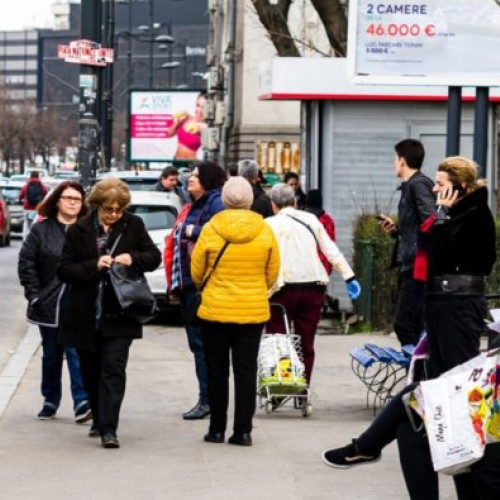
x=151, y=41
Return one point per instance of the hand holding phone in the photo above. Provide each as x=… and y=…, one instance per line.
x=386, y=223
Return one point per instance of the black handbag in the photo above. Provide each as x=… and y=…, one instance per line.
x=191, y=310
x=132, y=292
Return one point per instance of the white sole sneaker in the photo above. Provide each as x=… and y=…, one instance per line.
x=84, y=417
x=363, y=461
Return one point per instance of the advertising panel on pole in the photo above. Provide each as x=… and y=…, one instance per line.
x=166, y=125
x=434, y=42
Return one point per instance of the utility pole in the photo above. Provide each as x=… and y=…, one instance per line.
x=107, y=88
x=151, y=41
x=88, y=84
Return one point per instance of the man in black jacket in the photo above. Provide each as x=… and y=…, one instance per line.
x=261, y=202
x=416, y=204
x=169, y=183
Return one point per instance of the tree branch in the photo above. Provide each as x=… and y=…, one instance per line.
x=333, y=17
x=274, y=19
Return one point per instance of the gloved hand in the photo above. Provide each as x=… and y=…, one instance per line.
x=353, y=289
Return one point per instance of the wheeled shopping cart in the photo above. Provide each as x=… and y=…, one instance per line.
x=281, y=375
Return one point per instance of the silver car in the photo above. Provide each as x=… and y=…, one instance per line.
x=159, y=211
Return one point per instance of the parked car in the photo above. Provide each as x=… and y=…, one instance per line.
x=10, y=191
x=19, y=178
x=4, y=223
x=42, y=172
x=158, y=211
x=67, y=175
x=142, y=180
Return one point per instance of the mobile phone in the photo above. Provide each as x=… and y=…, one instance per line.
x=459, y=189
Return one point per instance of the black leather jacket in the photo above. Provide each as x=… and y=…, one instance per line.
x=463, y=239
x=416, y=204
x=36, y=268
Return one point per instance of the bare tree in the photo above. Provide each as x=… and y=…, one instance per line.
x=274, y=17
x=45, y=132
x=9, y=129
x=334, y=18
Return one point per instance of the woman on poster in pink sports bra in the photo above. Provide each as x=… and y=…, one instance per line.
x=188, y=130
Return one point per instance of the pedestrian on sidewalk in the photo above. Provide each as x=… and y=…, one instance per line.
x=302, y=279
x=314, y=205
x=31, y=194
x=168, y=182
x=292, y=179
x=93, y=320
x=416, y=204
x=47, y=296
x=459, y=248
x=234, y=305
x=204, y=186
x=249, y=169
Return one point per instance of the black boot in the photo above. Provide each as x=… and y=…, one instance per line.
x=241, y=438
x=198, y=412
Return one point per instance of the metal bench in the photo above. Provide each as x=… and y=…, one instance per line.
x=381, y=369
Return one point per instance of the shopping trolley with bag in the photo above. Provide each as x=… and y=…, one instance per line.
x=281, y=374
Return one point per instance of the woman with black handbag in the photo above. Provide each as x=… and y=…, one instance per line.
x=94, y=322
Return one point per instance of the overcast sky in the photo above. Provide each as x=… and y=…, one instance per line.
x=20, y=14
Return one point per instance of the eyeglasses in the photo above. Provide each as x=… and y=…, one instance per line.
x=71, y=199
x=112, y=210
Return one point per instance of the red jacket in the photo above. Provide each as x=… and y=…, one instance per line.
x=168, y=252
x=23, y=194
x=329, y=225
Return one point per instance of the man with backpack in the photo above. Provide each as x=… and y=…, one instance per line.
x=31, y=194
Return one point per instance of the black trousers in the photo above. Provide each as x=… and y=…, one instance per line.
x=409, y=313
x=241, y=342
x=104, y=377
x=454, y=326
x=482, y=483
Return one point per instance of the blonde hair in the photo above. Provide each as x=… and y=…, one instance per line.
x=462, y=171
x=109, y=191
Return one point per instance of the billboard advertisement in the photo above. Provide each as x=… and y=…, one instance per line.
x=435, y=42
x=166, y=125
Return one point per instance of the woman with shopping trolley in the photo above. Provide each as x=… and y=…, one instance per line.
x=302, y=279
x=235, y=262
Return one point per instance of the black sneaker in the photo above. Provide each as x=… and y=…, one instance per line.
x=47, y=413
x=348, y=456
x=83, y=414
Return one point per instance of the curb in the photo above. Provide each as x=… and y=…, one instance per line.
x=17, y=365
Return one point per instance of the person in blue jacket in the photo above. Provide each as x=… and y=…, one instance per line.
x=204, y=186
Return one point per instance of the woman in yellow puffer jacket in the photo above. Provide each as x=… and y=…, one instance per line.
x=234, y=305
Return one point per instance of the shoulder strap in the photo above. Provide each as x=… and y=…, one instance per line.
x=221, y=253
x=305, y=225
x=118, y=238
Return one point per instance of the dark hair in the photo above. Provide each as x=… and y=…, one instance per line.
x=232, y=170
x=314, y=199
x=412, y=151
x=211, y=176
x=290, y=175
x=34, y=174
x=48, y=207
x=168, y=171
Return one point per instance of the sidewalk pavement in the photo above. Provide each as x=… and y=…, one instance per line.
x=164, y=457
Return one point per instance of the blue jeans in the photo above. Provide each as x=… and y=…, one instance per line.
x=52, y=362
x=195, y=341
